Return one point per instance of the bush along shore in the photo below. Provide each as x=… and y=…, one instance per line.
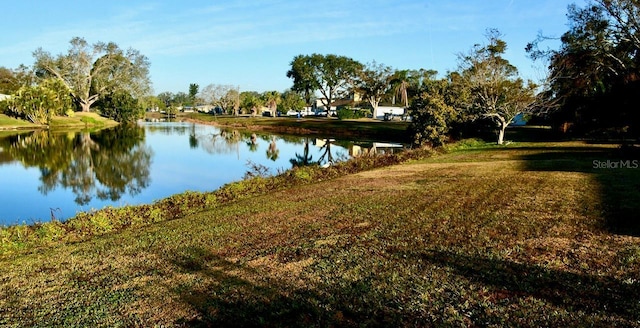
x=17, y=239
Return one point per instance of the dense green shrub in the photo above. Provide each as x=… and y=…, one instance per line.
x=346, y=113
x=121, y=106
x=432, y=118
x=40, y=102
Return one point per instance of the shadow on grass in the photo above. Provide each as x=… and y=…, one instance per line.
x=237, y=295
x=578, y=293
x=229, y=294
x=229, y=298
x=616, y=170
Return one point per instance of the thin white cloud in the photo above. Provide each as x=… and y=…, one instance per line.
x=428, y=30
x=234, y=29
x=235, y=25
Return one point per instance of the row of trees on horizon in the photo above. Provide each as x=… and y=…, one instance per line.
x=591, y=89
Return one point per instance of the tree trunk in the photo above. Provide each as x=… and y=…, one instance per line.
x=503, y=126
x=374, y=103
x=85, y=107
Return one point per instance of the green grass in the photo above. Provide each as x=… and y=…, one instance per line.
x=81, y=120
x=10, y=123
x=525, y=235
x=78, y=120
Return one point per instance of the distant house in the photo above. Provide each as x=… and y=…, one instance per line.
x=320, y=107
x=204, y=108
x=388, y=112
x=3, y=97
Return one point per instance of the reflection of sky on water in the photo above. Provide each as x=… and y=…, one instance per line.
x=184, y=157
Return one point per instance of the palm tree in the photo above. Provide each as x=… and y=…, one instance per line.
x=401, y=87
x=271, y=100
x=402, y=92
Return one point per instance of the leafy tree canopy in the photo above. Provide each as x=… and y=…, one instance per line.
x=494, y=87
x=594, y=77
x=331, y=75
x=91, y=71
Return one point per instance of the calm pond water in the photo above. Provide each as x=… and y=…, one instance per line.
x=45, y=174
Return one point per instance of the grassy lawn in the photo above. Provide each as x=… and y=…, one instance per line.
x=10, y=123
x=526, y=235
x=78, y=120
x=81, y=120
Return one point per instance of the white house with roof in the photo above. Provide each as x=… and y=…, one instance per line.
x=3, y=97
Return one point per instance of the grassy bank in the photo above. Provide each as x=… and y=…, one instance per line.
x=78, y=121
x=81, y=120
x=526, y=235
x=325, y=127
x=21, y=239
x=10, y=123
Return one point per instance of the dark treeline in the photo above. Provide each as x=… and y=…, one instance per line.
x=593, y=85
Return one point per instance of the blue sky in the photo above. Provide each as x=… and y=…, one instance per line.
x=251, y=43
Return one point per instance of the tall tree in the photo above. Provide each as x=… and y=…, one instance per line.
x=91, y=71
x=304, y=77
x=193, y=92
x=271, y=99
x=8, y=81
x=400, y=82
x=336, y=76
x=374, y=82
x=594, y=78
x=250, y=102
x=496, y=91
x=224, y=96
x=181, y=98
x=12, y=80
x=332, y=75
x=291, y=100
x=166, y=97
x=433, y=112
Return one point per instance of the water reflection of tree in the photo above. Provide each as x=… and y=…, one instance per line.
x=225, y=142
x=167, y=129
x=273, y=152
x=105, y=165
x=325, y=148
x=305, y=159
x=193, y=137
x=252, y=143
x=125, y=167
